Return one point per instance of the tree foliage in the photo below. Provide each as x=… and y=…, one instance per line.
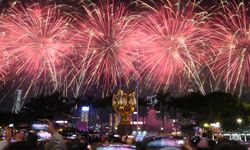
x=214, y=107
x=48, y=106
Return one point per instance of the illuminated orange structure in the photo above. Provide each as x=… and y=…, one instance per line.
x=124, y=104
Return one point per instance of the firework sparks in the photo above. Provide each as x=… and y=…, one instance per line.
x=3, y=61
x=175, y=39
x=3, y=66
x=106, y=33
x=169, y=45
x=36, y=39
x=233, y=60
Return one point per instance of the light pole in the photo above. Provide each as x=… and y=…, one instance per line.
x=239, y=121
x=175, y=126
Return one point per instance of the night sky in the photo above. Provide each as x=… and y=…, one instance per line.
x=75, y=3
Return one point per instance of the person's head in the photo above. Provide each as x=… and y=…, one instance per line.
x=19, y=136
x=51, y=126
x=129, y=141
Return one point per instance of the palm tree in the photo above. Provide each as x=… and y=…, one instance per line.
x=161, y=105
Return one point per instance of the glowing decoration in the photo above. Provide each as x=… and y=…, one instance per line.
x=124, y=104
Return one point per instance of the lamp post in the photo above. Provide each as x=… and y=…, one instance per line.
x=239, y=121
x=175, y=126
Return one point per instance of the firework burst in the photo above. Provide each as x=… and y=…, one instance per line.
x=175, y=39
x=106, y=36
x=36, y=40
x=233, y=60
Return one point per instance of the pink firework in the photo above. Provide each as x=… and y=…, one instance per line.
x=4, y=60
x=36, y=40
x=174, y=43
x=233, y=61
x=3, y=66
x=106, y=35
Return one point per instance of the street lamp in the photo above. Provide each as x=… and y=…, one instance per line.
x=239, y=121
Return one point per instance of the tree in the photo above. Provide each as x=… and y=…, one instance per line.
x=214, y=107
x=48, y=106
x=162, y=100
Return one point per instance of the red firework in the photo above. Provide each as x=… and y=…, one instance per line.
x=36, y=39
x=233, y=31
x=4, y=60
x=3, y=66
x=174, y=40
x=106, y=35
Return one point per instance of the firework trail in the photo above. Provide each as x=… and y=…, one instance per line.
x=106, y=33
x=175, y=39
x=4, y=67
x=3, y=60
x=36, y=40
x=233, y=31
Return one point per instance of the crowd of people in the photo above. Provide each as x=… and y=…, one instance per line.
x=29, y=141
x=26, y=140
x=203, y=143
